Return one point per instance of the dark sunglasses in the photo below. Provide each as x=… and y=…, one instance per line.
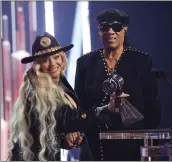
x=116, y=26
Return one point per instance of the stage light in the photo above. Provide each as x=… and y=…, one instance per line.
x=49, y=17
x=80, y=38
x=85, y=27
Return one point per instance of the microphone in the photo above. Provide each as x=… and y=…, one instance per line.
x=161, y=74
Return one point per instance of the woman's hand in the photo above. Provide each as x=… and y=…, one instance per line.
x=74, y=139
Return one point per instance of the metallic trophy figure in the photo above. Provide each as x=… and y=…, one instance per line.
x=129, y=113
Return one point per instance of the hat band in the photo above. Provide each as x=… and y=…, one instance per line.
x=49, y=50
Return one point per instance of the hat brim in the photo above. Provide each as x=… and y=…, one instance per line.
x=32, y=58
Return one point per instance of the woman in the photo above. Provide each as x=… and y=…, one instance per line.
x=46, y=110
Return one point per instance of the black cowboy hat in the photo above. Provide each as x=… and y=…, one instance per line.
x=45, y=45
x=111, y=15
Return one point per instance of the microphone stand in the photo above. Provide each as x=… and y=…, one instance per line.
x=161, y=74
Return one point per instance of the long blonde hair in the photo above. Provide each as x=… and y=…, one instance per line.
x=45, y=97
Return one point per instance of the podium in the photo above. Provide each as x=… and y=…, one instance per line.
x=149, y=151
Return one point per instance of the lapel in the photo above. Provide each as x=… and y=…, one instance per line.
x=72, y=92
x=95, y=74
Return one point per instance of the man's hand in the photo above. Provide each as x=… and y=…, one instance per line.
x=115, y=101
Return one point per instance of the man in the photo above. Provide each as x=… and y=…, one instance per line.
x=135, y=68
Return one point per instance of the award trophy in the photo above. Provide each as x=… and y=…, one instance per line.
x=129, y=114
